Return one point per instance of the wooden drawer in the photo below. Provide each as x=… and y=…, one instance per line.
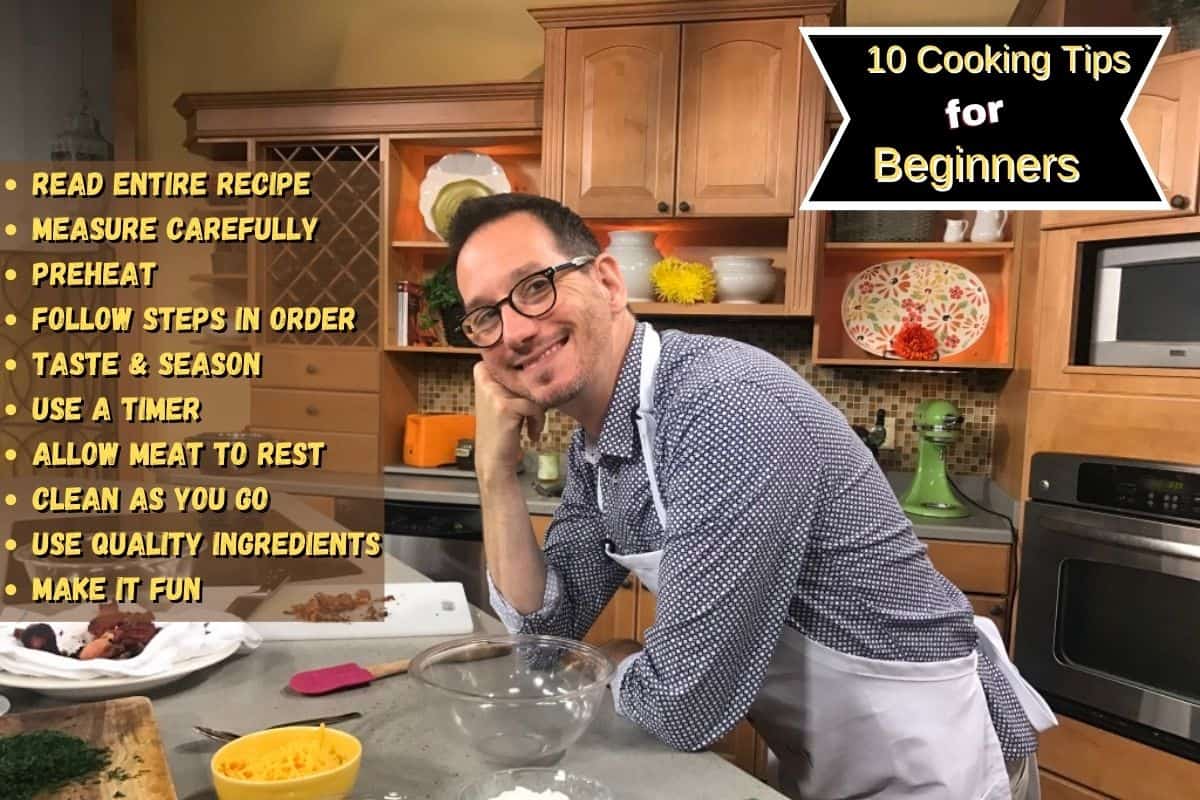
x=1056, y=788
x=344, y=452
x=993, y=607
x=971, y=566
x=337, y=412
x=341, y=368
x=1113, y=765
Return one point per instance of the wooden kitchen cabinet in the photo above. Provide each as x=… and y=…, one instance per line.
x=622, y=87
x=739, y=96
x=692, y=119
x=1086, y=758
x=703, y=122
x=1166, y=121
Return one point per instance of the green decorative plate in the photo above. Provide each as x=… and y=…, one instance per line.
x=450, y=198
x=457, y=177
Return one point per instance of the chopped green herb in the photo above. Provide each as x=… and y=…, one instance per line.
x=43, y=761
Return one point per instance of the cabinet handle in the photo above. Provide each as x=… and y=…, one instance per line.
x=628, y=583
x=684, y=207
x=663, y=207
x=311, y=369
x=312, y=411
x=1179, y=201
x=997, y=611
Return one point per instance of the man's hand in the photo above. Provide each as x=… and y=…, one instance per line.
x=499, y=415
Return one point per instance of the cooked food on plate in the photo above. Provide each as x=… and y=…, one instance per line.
x=342, y=607
x=115, y=634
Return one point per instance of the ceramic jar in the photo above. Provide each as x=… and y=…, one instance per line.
x=744, y=279
x=636, y=254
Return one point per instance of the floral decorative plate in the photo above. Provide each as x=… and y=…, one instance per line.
x=454, y=178
x=947, y=299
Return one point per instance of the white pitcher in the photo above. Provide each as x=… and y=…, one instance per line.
x=989, y=226
x=956, y=230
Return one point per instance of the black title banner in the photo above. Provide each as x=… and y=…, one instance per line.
x=978, y=117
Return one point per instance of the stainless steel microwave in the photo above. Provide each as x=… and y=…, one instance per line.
x=1145, y=304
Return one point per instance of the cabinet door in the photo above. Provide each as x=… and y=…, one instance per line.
x=617, y=620
x=619, y=122
x=739, y=107
x=1166, y=121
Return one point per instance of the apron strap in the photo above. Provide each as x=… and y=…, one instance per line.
x=646, y=423
x=1040, y=716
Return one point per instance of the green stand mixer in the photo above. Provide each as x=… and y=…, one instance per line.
x=938, y=424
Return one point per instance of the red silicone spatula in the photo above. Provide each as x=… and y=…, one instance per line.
x=348, y=676
x=343, y=676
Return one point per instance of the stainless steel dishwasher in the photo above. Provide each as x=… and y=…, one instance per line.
x=442, y=541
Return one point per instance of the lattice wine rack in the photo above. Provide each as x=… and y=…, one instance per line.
x=342, y=267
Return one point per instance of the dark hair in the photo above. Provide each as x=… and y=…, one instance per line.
x=570, y=232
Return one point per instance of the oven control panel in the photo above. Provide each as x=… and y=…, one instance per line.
x=1149, y=490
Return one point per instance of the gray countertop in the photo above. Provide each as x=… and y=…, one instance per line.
x=434, y=488
x=405, y=749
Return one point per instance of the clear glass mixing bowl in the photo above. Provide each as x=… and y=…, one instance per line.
x=518, y=700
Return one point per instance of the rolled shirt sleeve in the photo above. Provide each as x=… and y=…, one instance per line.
x=580, y=578
x=737, y=474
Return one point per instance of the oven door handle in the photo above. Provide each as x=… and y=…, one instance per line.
x=1063, y=523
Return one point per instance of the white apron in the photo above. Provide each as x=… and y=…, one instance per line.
x=849, y=727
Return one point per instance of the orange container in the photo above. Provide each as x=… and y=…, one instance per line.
x=430, y=439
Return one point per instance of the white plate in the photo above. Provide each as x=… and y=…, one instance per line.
x=457, y=167
x=104, y=688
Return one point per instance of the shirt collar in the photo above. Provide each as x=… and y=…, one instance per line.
x=618, y=431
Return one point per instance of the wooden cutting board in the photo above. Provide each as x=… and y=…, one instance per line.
x=126, y=727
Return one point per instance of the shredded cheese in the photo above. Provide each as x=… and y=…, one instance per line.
x=286, y=761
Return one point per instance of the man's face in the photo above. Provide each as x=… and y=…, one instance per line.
x=547, y=359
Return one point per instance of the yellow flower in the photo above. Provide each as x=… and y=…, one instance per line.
x=678, y=281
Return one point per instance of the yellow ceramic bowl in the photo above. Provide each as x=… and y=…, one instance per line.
x=333, y=784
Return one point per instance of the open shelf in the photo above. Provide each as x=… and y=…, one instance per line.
x=409, y=244
x=976, y=248
x=992, y=263
x=439, y=350
x=415, y=252
x=710, y=309
x=906, y=364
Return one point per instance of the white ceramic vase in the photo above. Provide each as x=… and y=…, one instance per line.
x=636, y=254
x=744, y=279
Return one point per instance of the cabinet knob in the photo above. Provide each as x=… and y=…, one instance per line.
x=685, y=206
x=312, y=411
x=663, y=207
x=311, y=369
x=997, y=611
x=1179, y=201
x=627, y=584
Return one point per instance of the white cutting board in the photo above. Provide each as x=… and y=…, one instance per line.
x=419, y=609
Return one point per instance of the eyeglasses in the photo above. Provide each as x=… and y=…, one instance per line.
x=533, y=296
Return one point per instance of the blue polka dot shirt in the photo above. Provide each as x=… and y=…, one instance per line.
x=777, y=515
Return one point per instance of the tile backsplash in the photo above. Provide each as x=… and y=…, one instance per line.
x=446, y=385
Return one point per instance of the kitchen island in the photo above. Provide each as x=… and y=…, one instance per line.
x=406, y=753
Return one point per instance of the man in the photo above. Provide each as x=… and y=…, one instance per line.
x=790, y=585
